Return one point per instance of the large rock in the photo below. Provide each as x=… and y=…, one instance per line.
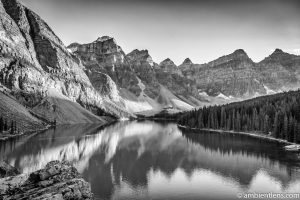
x=7, y=170
x=58, y=180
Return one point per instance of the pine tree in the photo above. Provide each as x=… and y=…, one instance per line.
x=296, y=131
x=276, y=126
x=1, y=124
x=279, y=114
x=12, y=127
x=266, y=124
x=5, y=126
x=223, y=118
x=285, y=127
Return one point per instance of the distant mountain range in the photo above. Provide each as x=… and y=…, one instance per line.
x=233, y=77
x=87, y=83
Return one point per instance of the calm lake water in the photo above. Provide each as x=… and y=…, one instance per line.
x=149, y=160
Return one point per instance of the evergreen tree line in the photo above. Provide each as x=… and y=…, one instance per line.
x=5, y=126
x=277, y=115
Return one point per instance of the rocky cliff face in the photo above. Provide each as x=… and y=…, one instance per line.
x=279, y=71
x=104, y=57
x=237, y=76
x=103, y=50
x=229, y=78
x=139, y=80
x=37, y=67
x=231, y=75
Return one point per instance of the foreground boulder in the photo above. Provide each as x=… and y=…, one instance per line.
x=7, y=170
x=57, y=181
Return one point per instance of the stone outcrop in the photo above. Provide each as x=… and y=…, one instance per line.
x=7, y=170
x=58, y=180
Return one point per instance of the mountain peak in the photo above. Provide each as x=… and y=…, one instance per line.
x=140, y=55
x=278, y=51
x=137, y=51
x=240, y=51
x=104, y=38
x=167, y=61
x=187, y=61
x=277, y=54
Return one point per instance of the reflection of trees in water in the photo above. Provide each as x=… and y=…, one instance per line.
x=29, y=152
x=213, y=152
x=247, y=145
x=286, y=163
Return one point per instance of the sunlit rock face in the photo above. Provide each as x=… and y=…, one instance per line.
x=166, y=77
x=140, y=57
x=232, y=77
x=36, y=65
x=104, y=56
x=137, y=77
x=103, y=50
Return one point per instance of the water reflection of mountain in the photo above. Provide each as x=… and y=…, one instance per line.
x=135, y=152
x=189, y=155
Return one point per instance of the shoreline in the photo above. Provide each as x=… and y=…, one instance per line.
x=37, y=131
x=256, y=135
x=30, y=132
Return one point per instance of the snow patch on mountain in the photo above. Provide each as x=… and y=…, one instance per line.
x=137, y=106
x=221, y=95
x=142, y=86
x=181, y=105
x=268, y=90
x=203, y=94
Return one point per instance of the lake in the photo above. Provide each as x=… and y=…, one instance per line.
x=151, y=160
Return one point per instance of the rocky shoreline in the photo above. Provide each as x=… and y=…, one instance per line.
x=57, y=181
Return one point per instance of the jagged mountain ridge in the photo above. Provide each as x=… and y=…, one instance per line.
x=236, y=75
x=232, y=77
x=146, y=84
x=41, y=73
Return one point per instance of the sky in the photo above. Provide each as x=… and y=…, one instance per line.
x=177, y=29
